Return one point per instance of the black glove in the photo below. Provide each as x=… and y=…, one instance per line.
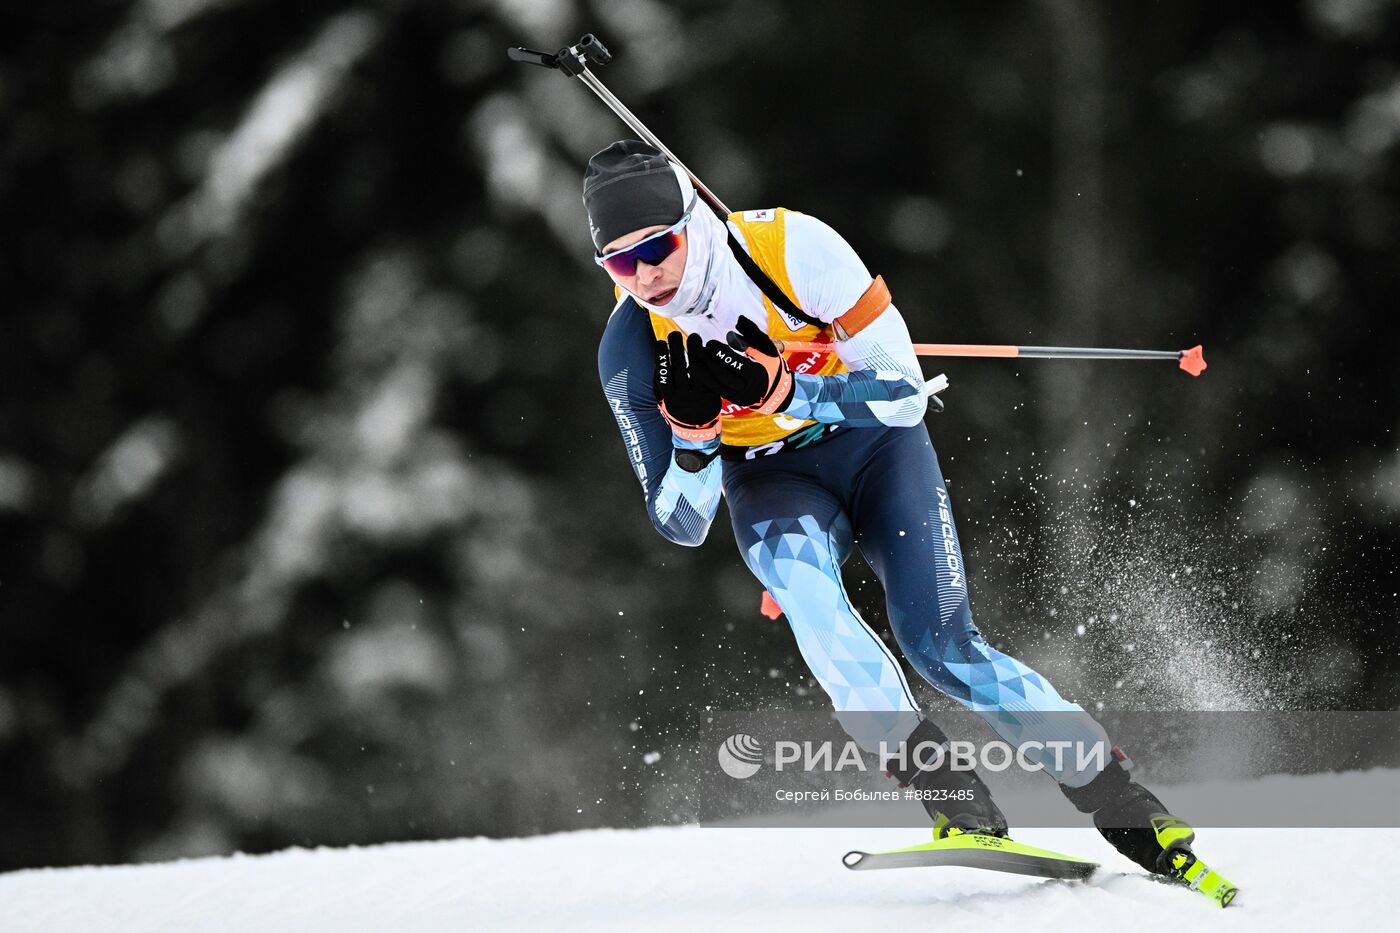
x=690, y=408
x=749, y=371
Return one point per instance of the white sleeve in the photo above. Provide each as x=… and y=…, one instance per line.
x=827, y=275
x=885, y=383
x=829, y=279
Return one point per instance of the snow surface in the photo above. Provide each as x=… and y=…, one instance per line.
x=693, y=878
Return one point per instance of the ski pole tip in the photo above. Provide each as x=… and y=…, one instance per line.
x=1193, y=360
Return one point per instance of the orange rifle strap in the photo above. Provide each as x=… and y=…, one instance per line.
x=863, y=313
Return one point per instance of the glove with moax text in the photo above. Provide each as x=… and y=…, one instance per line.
x=689, y=407
x=749, y=371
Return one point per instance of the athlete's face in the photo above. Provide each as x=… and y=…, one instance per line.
x=653, y=284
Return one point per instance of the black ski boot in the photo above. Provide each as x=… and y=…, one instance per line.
x=1132, y=819
x=957, y=800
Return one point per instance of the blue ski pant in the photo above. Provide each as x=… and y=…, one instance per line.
x=798, y=514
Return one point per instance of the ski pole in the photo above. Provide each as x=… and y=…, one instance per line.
x=1192, y=361
x=574, y=61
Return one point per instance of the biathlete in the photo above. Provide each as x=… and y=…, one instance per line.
x=818, y=452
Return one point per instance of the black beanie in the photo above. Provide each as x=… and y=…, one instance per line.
x=628, y=186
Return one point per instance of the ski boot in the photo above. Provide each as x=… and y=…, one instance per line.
x=957, y=800
x=1138, y=825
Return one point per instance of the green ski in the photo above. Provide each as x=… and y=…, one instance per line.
x=1179, y=865
x=994, y=853
x=976, y=850
x=1198, y=876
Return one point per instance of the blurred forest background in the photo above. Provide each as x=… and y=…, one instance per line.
x=315, y=527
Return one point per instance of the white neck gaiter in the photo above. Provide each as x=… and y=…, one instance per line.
x=708, y=263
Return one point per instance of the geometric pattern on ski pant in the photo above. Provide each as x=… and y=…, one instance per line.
x=797, y=560
x=794, y=517
x=1018, y=703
